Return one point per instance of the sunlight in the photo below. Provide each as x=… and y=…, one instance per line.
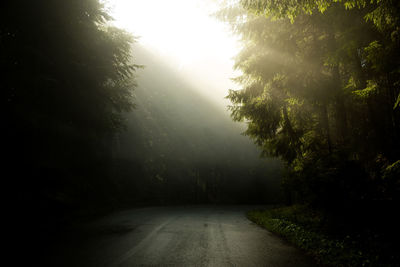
x=183, y=33
x=181, y=29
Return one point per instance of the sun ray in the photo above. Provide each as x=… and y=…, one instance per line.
x=185, y=35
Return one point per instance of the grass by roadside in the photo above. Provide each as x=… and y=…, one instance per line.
x=302, y=227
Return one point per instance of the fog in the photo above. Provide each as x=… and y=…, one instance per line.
x=187, y=37
x=180, y=136
x=186, y=149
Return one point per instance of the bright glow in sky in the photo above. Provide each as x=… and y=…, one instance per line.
x=183, y=32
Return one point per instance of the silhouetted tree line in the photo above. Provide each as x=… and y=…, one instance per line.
x=179, y=148
x=320, y=90
x=66, y=78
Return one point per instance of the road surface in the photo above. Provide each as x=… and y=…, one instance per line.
x=175, y=236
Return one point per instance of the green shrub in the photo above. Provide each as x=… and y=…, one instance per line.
x=301, y=227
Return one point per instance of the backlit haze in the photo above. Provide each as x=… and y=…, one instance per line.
x=185, y=35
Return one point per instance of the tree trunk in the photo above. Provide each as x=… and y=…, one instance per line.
x=340, y=107
x=325, y=125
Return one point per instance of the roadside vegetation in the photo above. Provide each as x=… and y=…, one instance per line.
x=310, y=231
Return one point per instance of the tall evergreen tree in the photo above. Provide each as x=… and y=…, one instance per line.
x=66, y=78
x=319, y=89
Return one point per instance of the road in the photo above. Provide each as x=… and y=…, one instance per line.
x=175, y=236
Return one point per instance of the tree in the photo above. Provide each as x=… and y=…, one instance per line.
x=67, y=76
x=319, y=91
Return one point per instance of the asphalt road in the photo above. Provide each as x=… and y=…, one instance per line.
x=175, y=236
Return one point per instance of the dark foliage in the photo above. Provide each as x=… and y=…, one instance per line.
x=66, y=78
x=320, y=90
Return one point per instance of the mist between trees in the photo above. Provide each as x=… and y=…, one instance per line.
x=87, y=132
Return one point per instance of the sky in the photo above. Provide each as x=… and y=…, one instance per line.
x=184, y=34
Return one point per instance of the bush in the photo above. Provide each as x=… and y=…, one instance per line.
x=303, y=227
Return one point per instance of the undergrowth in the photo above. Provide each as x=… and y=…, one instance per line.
x=304, y=228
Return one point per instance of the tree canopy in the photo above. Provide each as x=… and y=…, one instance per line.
x=67, y=75
x=320, y=89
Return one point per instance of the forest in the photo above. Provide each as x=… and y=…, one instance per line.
x=90, y=130
x=320, y=90
x=95, y=123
